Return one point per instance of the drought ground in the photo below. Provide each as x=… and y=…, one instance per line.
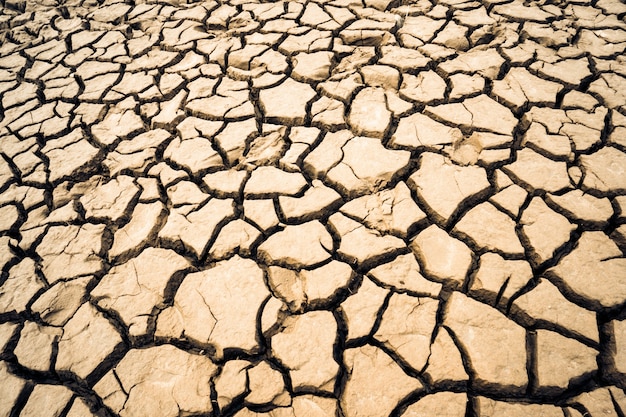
x=313, y=208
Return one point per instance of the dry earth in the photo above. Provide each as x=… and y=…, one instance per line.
x=313, y=208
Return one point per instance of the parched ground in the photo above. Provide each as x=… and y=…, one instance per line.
x=313, y=208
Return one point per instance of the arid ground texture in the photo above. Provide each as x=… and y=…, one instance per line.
x=313, y=208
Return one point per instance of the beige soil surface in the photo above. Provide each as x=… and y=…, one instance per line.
x=312, y=208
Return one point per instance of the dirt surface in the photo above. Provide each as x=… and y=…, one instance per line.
x=313, y=208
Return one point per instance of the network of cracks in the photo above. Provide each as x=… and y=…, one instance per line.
x=309, y=208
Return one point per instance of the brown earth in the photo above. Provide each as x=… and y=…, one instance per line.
x=313, y=208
